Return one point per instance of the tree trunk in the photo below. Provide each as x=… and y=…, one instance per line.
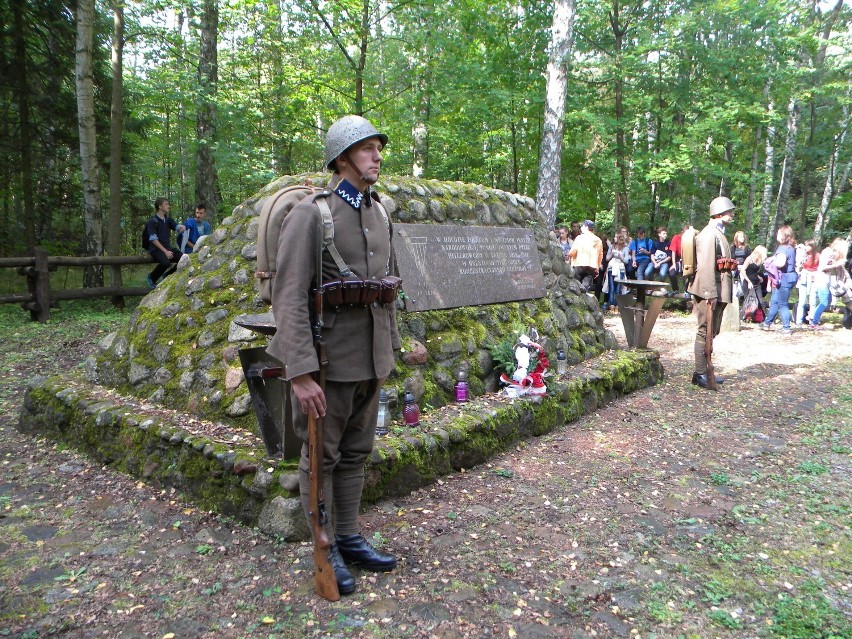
x=363, y=43
x=420, y=134
x=768, y=179
x=92, y=222
x=752, y=180
x=824, y=213
x=653, y=152
x=25, y=135
x=113, y=240
x=206, y=177
x=793, y=116
x=818, y=64
x=808, y=169
x=724, y=188
x=621, y=215
x=550, y=154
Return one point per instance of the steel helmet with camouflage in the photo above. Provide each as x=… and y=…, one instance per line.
x=347, y=131
x=721, y=205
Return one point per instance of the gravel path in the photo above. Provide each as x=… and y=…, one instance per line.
x=675, y=512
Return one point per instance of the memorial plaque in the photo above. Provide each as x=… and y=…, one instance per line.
x=445, y=266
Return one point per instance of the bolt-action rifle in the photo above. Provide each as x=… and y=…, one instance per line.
x=326, y=584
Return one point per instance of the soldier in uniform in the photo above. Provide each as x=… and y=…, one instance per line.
x=711, y=288
x=360, y=339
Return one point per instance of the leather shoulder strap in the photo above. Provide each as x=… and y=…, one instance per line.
x=328, y=236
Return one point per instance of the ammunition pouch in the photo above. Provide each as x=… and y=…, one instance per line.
x=390, y=289
x=351, y=291
x=726, y=264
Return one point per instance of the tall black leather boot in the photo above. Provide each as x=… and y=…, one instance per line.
x=358, y=551
x=345, y=581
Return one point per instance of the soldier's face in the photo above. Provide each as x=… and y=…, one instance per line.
x=363, y=162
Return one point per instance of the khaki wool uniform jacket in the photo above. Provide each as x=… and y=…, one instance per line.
x=359, y=341
x=708, y=282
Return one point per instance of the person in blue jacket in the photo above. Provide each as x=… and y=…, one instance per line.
x=196, y=226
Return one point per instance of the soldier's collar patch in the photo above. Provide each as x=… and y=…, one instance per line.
x=349, y=194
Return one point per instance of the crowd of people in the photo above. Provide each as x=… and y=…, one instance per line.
x=600, y=263
x=764, y=283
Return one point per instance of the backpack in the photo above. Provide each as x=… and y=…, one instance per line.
x=688, y=252
x=272, y=214
x=751, y=305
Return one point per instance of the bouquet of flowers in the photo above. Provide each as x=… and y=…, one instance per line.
x=531, y=366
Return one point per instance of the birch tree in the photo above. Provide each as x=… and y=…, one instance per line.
x=768, y=179
x=92, y=221
x=794, y=114
x=113, y=240
x=550, y=154
x=829, y=189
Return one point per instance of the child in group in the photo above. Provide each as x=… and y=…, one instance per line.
x=641, y=250
x=619, y=255
x=753, y=279
x=661, y=257
x=805, y=285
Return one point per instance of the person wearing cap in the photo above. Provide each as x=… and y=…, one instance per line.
x=711, y=287
x=587, y=255
x=360, y=339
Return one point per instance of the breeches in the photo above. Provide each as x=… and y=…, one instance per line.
x=349, y=428
x=700, y=310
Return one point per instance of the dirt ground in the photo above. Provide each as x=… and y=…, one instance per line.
x=675, y=512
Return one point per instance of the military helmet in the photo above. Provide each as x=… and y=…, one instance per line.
x=348, y=130
x=721, y=205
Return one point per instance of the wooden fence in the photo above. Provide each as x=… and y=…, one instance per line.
x=37, y=270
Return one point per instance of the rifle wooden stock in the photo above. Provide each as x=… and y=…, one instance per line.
x=708, y=346
x=326, y=584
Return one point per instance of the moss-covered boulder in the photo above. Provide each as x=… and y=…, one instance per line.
x=180, y=348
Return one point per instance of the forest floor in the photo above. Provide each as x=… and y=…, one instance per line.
x=674, y=512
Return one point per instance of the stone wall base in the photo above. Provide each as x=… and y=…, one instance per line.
x=226, y=470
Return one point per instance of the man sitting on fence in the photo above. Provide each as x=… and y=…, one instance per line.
x=157, y=230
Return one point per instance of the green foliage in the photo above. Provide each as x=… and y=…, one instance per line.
x=725, y=619
x=715, y=592
x=812, y=468
x=720, y=479
x=503, y=352
x=694, y=89
x=808, y=616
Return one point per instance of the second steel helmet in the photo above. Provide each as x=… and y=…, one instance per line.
x=347, y=131
x=721, y=205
